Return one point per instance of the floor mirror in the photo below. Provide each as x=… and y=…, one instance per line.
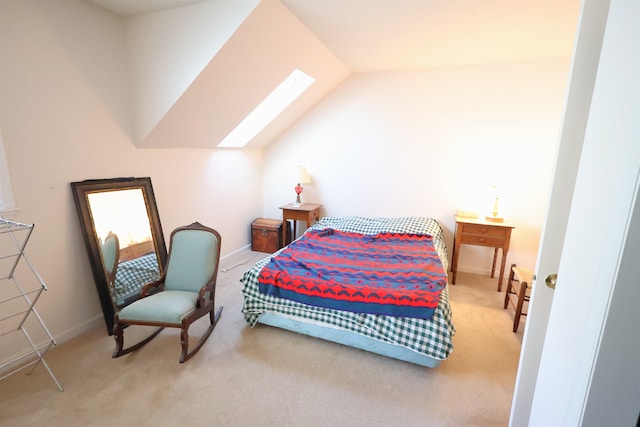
x=123, y=238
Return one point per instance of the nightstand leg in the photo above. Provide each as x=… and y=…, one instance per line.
x=493, y=266
x=285, y=227
x=454, y=263
x=504, y=259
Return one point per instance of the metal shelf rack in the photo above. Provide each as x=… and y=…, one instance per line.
x=17, y=302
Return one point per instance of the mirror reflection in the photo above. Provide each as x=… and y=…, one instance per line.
x=123, y=237
x=123, y=231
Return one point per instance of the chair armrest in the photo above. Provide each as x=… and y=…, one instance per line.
x=205, y=293
x=151, y=288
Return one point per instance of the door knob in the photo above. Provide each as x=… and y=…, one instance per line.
x=551, y=280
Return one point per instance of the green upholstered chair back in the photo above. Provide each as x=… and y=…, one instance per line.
x=193, y=259
x=110, y=254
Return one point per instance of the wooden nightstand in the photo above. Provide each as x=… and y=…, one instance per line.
x=479, y=232
x=307, y=212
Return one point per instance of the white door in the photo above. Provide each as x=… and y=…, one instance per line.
x=601, y=208
x=579, y=91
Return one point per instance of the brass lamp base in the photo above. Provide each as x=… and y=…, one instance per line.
x=494, y=218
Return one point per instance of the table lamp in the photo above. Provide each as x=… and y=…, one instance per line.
x=495, y=212
x=303, y=178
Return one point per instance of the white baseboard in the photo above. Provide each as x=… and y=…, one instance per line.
x=59, y=338
x=242, y=257
x=479, y=271
x=235, y=253
x=73, y=332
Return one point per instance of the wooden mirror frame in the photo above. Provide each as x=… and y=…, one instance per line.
x=81, y=191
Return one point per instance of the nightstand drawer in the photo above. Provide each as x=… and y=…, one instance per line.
x=482, y=240
x=309, y=216
x=483, y=230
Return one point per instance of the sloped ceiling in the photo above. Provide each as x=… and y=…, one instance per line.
x=262, y=52
x=329, y=39
x=374, y=35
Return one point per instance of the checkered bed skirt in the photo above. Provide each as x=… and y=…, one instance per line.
x=432, y=337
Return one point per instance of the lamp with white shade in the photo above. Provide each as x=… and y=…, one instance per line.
x=302, y=178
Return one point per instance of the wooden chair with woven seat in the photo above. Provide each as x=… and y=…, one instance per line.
x=184, y=293
x=518, y=292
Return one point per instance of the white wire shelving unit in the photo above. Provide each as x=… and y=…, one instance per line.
x=18, y=298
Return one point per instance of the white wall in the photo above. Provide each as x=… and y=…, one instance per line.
x=64, y=116
x=166, y=51
x=427, y=143
x=6, y=191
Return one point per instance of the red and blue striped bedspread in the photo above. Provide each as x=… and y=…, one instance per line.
x=392, y=274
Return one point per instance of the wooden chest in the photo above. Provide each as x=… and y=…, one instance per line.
x=266, y=235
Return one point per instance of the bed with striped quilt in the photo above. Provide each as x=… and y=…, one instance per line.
x=412, y=333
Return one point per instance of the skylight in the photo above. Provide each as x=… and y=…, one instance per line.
x=283, y=95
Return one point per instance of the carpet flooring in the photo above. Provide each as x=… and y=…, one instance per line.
x=264, y=376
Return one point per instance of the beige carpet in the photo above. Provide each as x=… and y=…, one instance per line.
x=270, y=377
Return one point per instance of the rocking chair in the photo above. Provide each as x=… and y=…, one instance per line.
x=184, y=293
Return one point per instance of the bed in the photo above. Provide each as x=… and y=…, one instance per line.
x=424, y=341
